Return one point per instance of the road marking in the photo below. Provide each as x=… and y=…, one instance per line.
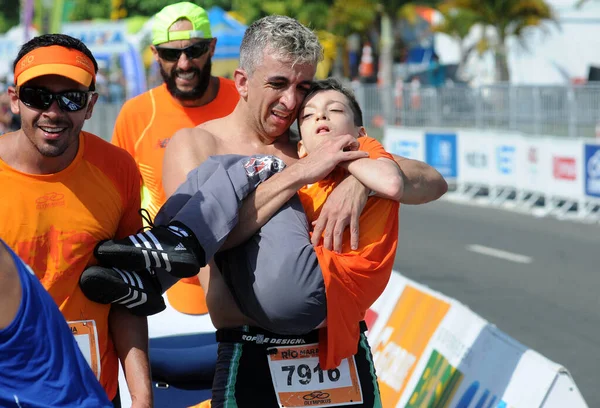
x=498, y=253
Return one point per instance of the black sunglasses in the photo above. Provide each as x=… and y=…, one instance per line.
x=195, y=50
x=40, y=98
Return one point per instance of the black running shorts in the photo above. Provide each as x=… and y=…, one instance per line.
x=248, y=372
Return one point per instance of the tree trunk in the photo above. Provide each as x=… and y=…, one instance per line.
x=501, y=60
x=385, y=76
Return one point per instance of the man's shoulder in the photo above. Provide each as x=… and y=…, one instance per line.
x=141, y=103
x=104, y=154
x=195, y=136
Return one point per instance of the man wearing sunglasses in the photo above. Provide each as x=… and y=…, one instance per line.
x=183, y=46
x=63, y=190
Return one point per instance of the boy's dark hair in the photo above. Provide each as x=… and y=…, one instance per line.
x=332, y=84
x=47, y=40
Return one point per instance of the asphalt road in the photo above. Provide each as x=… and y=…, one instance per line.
x=538, y=280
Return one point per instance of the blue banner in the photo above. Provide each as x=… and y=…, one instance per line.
x=440, y=152
x=592, y=170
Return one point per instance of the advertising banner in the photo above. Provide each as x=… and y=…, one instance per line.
x=565, y=169
x=101, y=38
x=441, y=153
x=475, y=157
x=534, y=158
x=505, y=159
x=405, y=142
x=432, y=351
x=592, y=170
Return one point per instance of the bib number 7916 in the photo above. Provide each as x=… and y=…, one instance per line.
x=298, y=379
x=304, y=374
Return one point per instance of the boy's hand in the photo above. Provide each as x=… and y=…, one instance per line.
x=333, y=150
x=342, y=209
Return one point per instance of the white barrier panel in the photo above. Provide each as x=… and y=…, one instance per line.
x=566, y=169
x=475, y=157
x=404, y=142
x=430, y=350
x=532, y=174
x=505, y=160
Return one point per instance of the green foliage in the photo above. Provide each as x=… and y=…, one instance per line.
x=101, y=9
x=10, y=15
x=508, y=17
x=456, y=22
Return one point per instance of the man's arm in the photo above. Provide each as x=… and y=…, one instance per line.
x=10, y=288
x=130, y=336
x=183, y=154
x=382, y=175
x=128, y=332
x=422, y=183
x=271, y=195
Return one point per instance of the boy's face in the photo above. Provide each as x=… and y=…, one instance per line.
x=323, y=114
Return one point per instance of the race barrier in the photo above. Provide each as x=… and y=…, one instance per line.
x=553, y=175
x=430, y=351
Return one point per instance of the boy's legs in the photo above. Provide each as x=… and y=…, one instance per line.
x=208, y=201
x=275, y=276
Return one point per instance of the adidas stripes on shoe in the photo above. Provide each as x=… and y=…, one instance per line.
x=172, y=248
x=139, y=292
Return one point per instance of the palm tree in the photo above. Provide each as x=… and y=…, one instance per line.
x=509, y=18
x=457, y=23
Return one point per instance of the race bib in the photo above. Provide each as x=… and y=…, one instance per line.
x=299, y=381
x=86, y=337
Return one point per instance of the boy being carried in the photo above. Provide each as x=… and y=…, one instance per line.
x=277, y=278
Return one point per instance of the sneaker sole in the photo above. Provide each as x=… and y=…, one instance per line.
x=135, y=259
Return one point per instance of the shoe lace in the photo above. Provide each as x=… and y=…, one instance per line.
x=147, y=219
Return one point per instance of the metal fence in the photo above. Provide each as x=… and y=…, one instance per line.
x=540, y=110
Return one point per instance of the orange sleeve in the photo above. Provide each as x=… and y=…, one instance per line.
x=122, y=134
x=375, y=149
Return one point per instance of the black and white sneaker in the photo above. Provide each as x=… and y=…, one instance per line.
x=139, y=292
x=260, y=167
x=173, y=248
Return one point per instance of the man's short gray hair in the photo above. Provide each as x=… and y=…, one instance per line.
x=281, y=36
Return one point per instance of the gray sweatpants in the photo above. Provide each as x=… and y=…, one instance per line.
x=275, y=276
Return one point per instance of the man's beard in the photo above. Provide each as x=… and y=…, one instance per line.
x=197, y=92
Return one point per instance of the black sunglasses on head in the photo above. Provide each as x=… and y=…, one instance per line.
x=40, y=98
x=195, y=50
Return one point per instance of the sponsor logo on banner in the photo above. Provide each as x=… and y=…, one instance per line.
x=441, y=153
x=592, y=170
x=406, y=148
x=564, y=168
x=477, y=160
x=437, y=384
x=99, y=37
x=470, y=399
x=506, y=159
x=411, y=325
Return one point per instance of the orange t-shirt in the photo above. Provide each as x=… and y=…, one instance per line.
x=54, y=221
x=143, y=128
x=353, y=279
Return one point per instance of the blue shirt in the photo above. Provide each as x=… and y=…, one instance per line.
x=40, y=362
